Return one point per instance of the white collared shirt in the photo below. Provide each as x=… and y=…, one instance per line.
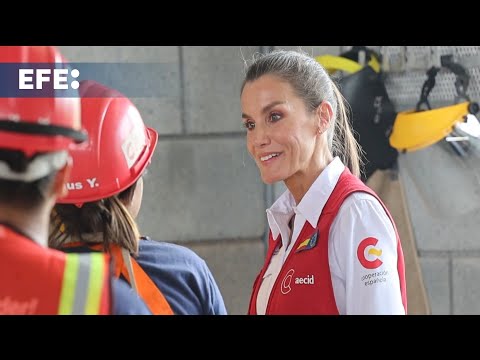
x=357, y=290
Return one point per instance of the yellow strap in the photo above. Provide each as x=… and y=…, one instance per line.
x=374, y=64
x=334, y=63
x=67, y=295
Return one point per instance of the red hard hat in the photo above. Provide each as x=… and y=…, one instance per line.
x=119, y=148
x=38, y=124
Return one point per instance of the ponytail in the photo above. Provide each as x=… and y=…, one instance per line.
x=108, y=216
x=344, y=144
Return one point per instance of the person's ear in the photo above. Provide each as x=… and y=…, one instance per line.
x=63, y=175
x=324, y=115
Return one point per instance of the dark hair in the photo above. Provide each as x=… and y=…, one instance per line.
x=313, y=84
x=108, y=216
x=21, y=194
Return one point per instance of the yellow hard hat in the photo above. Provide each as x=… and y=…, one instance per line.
x=333, y=63
x=415, y=130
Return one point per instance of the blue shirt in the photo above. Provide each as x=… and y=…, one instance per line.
x=126, y=301
x=182, y=276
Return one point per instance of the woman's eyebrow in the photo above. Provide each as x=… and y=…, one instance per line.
x=266, y=108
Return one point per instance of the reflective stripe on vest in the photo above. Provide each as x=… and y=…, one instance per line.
x=146, y=287
x=82, y=284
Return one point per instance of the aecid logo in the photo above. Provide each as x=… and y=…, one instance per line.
x=285, y=288
x=371, y=260
x=286, y=285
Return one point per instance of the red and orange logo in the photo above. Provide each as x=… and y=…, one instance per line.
x=366, y=263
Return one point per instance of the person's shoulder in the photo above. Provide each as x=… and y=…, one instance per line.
x=364, y=207
x=169, y=250
x=360, y=198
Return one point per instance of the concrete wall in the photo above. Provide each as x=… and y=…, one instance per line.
x=202, y=190
x=443, y=192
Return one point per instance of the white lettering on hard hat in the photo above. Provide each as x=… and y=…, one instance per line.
x=134, y=143
x=79, y=184
x=92, y=183
x=74, y=186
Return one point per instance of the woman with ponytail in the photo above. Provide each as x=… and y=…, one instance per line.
x=333, y=246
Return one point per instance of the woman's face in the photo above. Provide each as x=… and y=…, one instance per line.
x=281, y=134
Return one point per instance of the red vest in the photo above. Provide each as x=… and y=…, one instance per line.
x=38, y=280
x=307, y=262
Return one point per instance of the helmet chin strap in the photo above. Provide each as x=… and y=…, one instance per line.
x=38, y=168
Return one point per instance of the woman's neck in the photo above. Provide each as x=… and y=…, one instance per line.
x=33, y=223
x=299, y=183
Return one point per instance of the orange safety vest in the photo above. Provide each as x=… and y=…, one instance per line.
x=141, y=282
x=43, y=281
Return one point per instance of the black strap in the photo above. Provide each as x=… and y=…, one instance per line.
x=462, y=80
x=41, y=129
x=427, y=87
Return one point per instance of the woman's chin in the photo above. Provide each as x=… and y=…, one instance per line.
x=270, y=179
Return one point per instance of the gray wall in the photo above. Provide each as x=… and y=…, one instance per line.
x=444, y=204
